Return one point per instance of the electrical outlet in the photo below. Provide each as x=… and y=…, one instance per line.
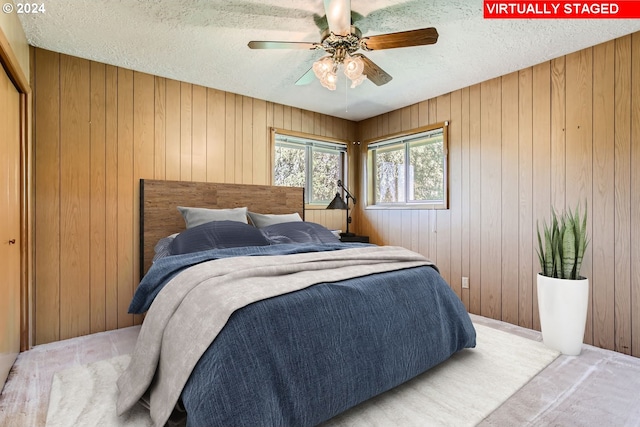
x=465, y=283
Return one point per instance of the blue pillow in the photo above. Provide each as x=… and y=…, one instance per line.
x=217, y=235
x=298, y=232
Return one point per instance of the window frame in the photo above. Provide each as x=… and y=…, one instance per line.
x=404, y=138
x=322, y=144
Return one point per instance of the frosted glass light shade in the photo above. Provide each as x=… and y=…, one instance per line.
x=322, y=67
x=353, y=68
x=325, y=70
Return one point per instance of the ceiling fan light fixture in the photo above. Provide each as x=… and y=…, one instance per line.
x=325, y=70
x=329, y=80
x=341, y=40
x=353, y=68
x=323, y=66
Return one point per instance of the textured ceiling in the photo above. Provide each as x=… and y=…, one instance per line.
x=205, y=42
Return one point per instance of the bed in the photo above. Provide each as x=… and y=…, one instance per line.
x=290, y=330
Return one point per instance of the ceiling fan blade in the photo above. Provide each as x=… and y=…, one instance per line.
x=373, y=72
x=402, y=39
x=307, y=78
x=338, y=16
x=282, y=45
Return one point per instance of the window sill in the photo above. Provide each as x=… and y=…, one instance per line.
x=420, y=206
x=313, y=207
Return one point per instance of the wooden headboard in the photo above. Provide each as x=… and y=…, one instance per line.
x=159, y=215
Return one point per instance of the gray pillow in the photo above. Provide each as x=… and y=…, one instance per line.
x=217, y=235
x=197, y=216
x=162, y=248
x=265, y=220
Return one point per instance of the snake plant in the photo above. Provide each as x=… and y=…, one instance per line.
x=562, y=249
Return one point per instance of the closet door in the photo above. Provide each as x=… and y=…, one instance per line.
x=9, y=225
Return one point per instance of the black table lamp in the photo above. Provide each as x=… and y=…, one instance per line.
x=338, y=203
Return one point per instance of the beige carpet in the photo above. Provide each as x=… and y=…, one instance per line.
x=86, y=396
x=460, y=392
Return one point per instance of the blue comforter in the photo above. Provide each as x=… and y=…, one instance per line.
x=301, y=358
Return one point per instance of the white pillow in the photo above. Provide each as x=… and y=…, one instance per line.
x=198, y=216
x=264, y=220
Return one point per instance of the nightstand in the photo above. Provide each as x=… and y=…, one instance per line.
x=358, y=239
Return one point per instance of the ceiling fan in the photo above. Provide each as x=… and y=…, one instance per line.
x=342, y=40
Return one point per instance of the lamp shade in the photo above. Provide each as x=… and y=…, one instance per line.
x=337, y=203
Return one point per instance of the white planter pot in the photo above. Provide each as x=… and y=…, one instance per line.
x=562, y=304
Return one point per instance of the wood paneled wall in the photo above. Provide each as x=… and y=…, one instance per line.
x=98, y=129
x=559, y=133
x=564, y=131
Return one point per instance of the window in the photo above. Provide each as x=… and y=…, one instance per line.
x=409, y=169
x=313, y=164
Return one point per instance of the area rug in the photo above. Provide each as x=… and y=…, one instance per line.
x=460, y=392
